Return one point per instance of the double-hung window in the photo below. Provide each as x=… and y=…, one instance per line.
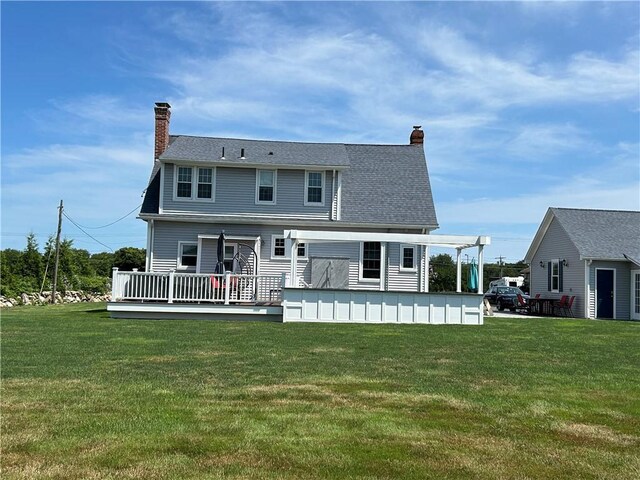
x=185, y=175
x=371, y=254
x=194, y=183
x=265, y=186
x=314, y=188
x=279, y=248
x=407, y=258
x=187, y=255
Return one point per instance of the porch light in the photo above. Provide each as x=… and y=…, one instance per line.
x=541, y=264
x=565, y=263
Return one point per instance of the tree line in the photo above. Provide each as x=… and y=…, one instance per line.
x=442, y=274
x=30, y=271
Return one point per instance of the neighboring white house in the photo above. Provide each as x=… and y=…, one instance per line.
x=329, y=217
x=593, y=255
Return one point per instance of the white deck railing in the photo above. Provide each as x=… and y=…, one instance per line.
x=175, y=286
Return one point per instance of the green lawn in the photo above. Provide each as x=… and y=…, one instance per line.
x=85, y=396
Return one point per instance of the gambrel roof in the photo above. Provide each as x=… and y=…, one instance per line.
x=596, y=234
x=381, y=184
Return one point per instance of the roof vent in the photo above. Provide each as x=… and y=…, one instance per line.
x=270, y=153
x=242, y=153
x=222, y=156
x=417, y=136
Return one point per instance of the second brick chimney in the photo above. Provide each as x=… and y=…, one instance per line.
x=163, y=113
x=417, y=136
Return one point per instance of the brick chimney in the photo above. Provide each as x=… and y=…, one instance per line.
x=417, y=136
x=163, y=113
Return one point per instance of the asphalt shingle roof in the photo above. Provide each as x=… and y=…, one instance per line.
x=268, y=152
x=606, y=234
x=382, y=184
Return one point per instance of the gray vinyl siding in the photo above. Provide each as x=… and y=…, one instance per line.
x=557, y=245
x=235, y=193
x=167, y=235
x=397, y=279
x=622, y=287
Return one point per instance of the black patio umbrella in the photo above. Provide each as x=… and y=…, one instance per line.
x=220, y=264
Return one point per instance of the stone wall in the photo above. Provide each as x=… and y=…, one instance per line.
x=45, y=298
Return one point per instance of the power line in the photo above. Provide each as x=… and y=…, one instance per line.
x=88, y=235
x=108, y=224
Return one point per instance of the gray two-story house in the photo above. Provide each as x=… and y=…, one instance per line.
x=277, y=214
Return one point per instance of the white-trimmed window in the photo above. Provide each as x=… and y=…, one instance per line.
x=266, y=186
x=408, y=258
x=279, y=248
x=370, y=254
x=314, y=188
x=555, y=275
x=194, y=183
x=187, y=255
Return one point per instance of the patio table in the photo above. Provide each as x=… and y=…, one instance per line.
x=542, y=306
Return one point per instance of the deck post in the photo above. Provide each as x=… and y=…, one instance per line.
x=227, y=290
x=458, y=270
x=114, y=284
x=480, y=268
x=293, y=254
x=426, y=269
x=171, y=283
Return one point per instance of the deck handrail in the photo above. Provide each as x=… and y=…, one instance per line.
x=177, y=286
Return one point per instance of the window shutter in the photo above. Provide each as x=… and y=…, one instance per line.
x=548, y=276
x=560, y=275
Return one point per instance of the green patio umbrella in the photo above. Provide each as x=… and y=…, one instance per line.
x=472, y=281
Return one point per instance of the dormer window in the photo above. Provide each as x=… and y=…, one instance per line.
x=266, y=186
x=194, y=183
x=314, y=188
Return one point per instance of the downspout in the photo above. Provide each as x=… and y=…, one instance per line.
x=333, y=196
x=587, y=293
x=149, y=256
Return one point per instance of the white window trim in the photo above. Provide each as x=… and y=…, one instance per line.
x=415, y=258
x=194, y=184
x=557, y=262
x=275, y=186
x=306, y=188
x=287, y=245
x=360, y=277
x=179, y=265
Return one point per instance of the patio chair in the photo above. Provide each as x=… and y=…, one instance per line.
x=559, y=306
x=567, y=307
x=521, y=304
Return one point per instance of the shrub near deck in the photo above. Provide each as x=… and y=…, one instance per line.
x=85, y=396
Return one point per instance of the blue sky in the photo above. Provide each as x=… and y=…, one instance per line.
x=524, y=105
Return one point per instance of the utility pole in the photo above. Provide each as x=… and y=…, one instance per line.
x=55, y=267
x=501, y=263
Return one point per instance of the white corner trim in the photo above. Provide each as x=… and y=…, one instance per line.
x=162, y=176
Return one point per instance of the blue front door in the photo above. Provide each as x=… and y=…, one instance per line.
x=604, y=293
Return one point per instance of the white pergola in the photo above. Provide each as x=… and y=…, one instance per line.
x=457, y=242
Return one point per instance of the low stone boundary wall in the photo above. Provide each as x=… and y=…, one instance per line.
x=45, y=298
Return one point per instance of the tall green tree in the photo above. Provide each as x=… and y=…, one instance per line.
x=128, y=258
x=32, y=260
x=442, y=275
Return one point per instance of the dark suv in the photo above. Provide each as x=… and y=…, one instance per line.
x=505, y=297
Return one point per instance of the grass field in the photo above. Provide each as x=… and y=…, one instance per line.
x=85, y=396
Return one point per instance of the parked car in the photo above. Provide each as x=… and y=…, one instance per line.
x=505, y=297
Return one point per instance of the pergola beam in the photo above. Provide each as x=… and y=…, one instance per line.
x=450, y=241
